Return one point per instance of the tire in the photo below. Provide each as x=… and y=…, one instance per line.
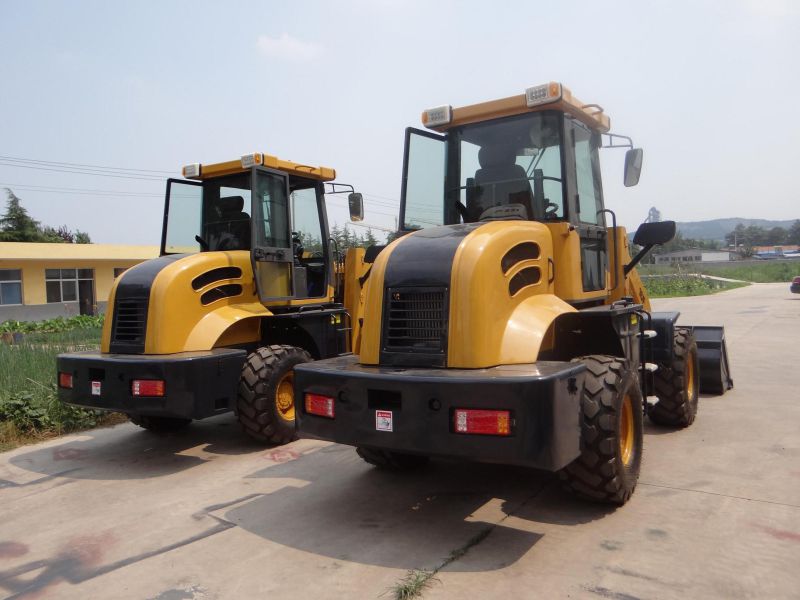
x=391, y=461
x=265, y=403
x=677, y=384
x=611, y=405
x=159, y=424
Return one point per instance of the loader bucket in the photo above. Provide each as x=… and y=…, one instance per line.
x=712, y=353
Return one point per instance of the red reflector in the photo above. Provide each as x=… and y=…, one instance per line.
x=487, y=422
x=320, y=405
x=65, y=380
x=147, y=387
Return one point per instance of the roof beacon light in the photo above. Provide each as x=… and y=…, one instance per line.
x=192, y=171
x=434, y=117
x=251, y=160
x=543, y=94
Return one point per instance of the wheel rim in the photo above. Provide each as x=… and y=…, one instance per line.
x=690, y=375
x=284, y=397
x=626, y=433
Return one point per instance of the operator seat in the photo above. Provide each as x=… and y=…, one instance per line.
x=232, y=230
x=499, y=181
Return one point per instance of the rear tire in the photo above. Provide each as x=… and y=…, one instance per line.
x=608, y=468
x=391, y=461
x=677, y=384
x=265, y=404
x=159, y=424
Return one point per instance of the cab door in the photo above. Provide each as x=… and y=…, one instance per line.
x=271, y=253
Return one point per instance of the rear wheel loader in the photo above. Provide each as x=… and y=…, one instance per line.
x=508, y=324
x=242, y=293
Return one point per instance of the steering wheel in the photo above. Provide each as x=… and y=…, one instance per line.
x=550, y=209
x=462, y=210
x=203, y=244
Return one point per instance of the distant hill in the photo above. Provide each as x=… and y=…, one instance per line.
x=716, y=229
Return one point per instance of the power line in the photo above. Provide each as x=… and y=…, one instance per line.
x=83, y=191
x=67, y=164
x=78, y=172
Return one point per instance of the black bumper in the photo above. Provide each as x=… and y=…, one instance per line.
x=544, y=400
x=197, y=384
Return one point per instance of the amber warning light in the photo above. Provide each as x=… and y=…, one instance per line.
x=322, y=406
x=147, y=387
x=484, y=422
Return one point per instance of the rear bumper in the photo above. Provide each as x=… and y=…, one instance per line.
x=197, y=384
x=544, y=400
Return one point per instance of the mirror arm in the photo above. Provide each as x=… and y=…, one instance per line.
x=637, y=259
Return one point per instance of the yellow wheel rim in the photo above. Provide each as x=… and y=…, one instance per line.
x=626, y=432
x=690, y=375
x=284, y=397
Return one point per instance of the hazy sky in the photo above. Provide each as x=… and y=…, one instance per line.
x=708, y=88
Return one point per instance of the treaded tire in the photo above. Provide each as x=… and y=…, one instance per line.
x=391, y=461
x=256, y=404
x=677, y=384
x=600, y=473
x=159, y=424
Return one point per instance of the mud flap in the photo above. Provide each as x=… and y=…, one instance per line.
x=715, y=371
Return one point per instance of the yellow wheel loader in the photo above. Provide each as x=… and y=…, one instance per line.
x=242, y=292
x=508, y=324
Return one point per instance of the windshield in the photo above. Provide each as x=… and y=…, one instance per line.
x=508, y=168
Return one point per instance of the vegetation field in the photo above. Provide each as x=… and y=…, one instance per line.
x=766, y=271
x=29, y=407
x=670, y=286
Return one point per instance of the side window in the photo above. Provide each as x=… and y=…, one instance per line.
x=273, y=229
x=587, y=172
x=306, y=226
x=423, y=184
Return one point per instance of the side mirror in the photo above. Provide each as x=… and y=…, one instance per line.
x=356, y=204
x=633, y=166
x=652, y=234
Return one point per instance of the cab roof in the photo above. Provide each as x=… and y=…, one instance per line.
x=549, y=96
x=205, y=171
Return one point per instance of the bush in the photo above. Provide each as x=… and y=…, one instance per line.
x=59, y=324
x=30, y=412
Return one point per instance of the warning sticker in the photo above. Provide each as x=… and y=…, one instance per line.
x=96, y=388
x=383, y=420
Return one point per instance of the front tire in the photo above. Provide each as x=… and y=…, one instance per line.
x=265, y=404
x=608, y=468
x=677, y=383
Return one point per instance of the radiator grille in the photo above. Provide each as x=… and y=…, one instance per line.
x=416, y=320
x=130, y=320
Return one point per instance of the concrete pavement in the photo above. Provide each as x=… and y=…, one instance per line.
x=122, y=513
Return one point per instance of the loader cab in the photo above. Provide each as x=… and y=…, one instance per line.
x=276, y=212
x=513, y=161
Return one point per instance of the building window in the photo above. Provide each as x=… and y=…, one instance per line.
x=10, y=286
x=119, y=271
x=62, y=284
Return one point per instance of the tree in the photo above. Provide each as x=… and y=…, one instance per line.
x=369, y=239
x=16, y=225
x=793, y=235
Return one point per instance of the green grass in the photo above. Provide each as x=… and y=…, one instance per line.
x=755, y=272
x=29, y=407
x=671, y=286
